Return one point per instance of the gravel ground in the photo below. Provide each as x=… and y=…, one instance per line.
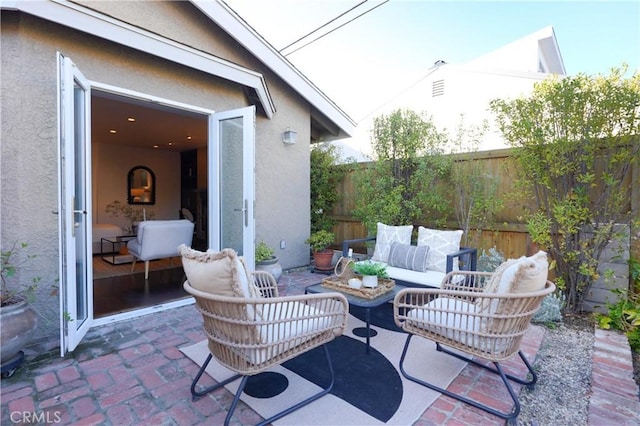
x=563, y=364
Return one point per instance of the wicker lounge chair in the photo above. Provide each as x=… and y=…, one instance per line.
x=480, y=316
x=249, y=335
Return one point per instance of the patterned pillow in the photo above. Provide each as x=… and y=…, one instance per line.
x=441, y=243
x=406, y=256
x=222, y=273
x=387, y=235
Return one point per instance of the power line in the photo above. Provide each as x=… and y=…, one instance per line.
x=336, y=28
x=324, y=25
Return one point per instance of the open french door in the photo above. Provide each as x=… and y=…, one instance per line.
x=76, y=272
x=231, y=181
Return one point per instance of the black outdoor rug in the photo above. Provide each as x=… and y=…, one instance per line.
x=368, y=389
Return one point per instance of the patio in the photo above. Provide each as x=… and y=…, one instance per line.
x=133, y=373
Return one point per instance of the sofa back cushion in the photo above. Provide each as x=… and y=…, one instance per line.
x=386, y=236
x=408, y=257
x=440, y=243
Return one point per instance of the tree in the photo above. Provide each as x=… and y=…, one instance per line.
x=402, y=185
x=325, y=176
x=575, y=140
x=476, y=199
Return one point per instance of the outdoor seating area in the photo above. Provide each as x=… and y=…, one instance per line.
x=134, y=372
x=436, y=253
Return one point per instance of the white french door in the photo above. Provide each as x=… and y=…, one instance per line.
x=231, y=177
x=230, y=195
x=76, y=272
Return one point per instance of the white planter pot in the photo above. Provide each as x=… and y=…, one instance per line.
x=370, y=281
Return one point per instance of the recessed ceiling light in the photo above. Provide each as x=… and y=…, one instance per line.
x=131, y=119
x=155, y=146
x=189, y=137
x=170, y=143
x=112, y=131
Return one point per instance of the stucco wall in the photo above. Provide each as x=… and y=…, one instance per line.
x=29, y=151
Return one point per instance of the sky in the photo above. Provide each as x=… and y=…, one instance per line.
x=379, y=54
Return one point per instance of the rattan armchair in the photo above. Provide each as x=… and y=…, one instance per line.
x=250, y=335
x=476, y=323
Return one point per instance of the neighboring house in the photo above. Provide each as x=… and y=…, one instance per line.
x=447, y=91
x=211, y=101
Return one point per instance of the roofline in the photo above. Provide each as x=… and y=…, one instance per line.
x=236, y=27
x=82, y=19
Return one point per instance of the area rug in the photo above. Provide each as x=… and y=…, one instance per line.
x=368, y=389
x=102, y=269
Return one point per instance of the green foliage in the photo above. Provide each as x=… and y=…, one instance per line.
x=571, y=135
x=263, y=252
x=623, y=315
x=12, y=260
x=368, y=267
x=325, y=176
x=550, y=310
x=476, y=199
x=320, y=240
x=402, y=185
x=132, y=213
x=489, y=262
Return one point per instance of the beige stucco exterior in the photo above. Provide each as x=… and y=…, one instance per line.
x=29, y=136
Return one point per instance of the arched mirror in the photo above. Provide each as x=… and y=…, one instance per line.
x=141, y=186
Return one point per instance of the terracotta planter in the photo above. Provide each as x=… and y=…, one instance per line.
x=322, y=259
x=19, y=321
x=271, y=266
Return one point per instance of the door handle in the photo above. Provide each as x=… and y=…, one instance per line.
x=76, y=224
x=245, y=210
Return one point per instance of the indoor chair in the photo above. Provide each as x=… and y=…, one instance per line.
x=250, y=328
x=159, y=239
x=478, y=314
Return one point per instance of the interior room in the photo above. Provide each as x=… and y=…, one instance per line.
x=149, y=161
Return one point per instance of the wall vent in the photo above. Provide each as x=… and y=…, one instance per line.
x=437, y=88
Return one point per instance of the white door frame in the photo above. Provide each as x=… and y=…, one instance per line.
x=68, y=283
x=74, y=202
x=247, y=114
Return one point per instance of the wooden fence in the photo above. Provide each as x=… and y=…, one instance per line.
x=508, y=234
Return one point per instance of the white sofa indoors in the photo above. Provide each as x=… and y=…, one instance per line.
x=424, y=264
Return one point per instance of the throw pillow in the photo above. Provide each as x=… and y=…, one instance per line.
x=408, y=257
x=386, y=236
x=523, y=275
x=222, y=273
x=441, y=243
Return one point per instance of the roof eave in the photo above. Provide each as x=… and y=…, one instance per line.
x=88, y=21
x=225, y=17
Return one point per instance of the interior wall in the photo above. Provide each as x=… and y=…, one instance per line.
x=110, y=166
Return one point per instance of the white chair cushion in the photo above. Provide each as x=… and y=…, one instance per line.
x=441, y=243
x=428, y=278
x=461, y=326
x=387, y=235
x=301, y=330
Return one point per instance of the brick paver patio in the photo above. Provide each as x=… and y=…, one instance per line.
x=132, y=372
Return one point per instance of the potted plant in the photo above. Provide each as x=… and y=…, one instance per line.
x=267, y=261
x=18, y=318
x=319, y=242
x=370, y=272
